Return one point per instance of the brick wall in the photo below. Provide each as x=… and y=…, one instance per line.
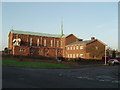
x=70, y=39
x=74, y=51
x=96, y=50
x=25, y=40
x=48, y=52
x=17, y=50
x=58, y=47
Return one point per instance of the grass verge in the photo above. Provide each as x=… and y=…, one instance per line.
x=34, y=64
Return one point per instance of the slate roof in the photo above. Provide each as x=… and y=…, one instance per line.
x=82, y=42
x=39, y=34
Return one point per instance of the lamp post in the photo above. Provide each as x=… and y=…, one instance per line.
x=105, y=55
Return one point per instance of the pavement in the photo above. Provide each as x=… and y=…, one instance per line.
x=83, y=77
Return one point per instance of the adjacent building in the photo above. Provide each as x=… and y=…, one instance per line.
x=88, y=49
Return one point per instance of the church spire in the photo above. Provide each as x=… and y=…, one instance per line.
x=61, y=27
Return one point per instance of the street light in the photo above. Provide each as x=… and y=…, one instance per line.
x=105, y=54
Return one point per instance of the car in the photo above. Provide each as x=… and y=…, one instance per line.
x=59, y=60
x=113, y=62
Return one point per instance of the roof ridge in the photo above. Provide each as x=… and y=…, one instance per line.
x=81, y=42
x=32, y=32
x=38, y=33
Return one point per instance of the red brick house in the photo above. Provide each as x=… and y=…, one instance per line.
x=89, y=49
x=54, y=45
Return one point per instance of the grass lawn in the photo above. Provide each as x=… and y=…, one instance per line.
x=33, y=64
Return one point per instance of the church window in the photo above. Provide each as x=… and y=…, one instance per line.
x=68, y=48
x=61, y=43
x=38, y=42
x=73, y=48
x=57, y=43
x=44, y=42
x=51, y=43
x=30, y=41
x=77, y=47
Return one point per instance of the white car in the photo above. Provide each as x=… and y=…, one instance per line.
x=113, y=62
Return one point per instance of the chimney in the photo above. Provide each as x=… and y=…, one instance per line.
x=92, y=38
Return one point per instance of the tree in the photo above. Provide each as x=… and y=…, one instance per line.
x=6, y=50
x=107, y=52
x=114, y=54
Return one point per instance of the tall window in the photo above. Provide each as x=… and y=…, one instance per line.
x=44, y=42
x=77, y=47
x=61, y=43
x=38, y=42
x=68, y=48
x=73, y=48
x=57, y=43
x=51, y=43
x=30, y=41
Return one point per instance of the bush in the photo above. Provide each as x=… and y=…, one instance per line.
x=61, y=58
x=89, y=61
x=7, y=55
x=29, y=56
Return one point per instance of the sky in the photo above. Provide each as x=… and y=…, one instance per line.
x=83, y=19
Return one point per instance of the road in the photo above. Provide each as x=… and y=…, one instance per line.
x=84, y=77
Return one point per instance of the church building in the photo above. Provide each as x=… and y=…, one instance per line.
x=54, y=45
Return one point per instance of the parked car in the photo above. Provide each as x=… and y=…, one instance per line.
x=59, y=60
x=113, y=62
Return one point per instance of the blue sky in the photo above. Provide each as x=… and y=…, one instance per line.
x=83, y=19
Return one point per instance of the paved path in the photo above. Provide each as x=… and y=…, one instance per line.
x=84, y=77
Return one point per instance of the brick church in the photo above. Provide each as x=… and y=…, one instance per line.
x=54, y=45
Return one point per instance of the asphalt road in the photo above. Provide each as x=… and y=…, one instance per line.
x=84, y=77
